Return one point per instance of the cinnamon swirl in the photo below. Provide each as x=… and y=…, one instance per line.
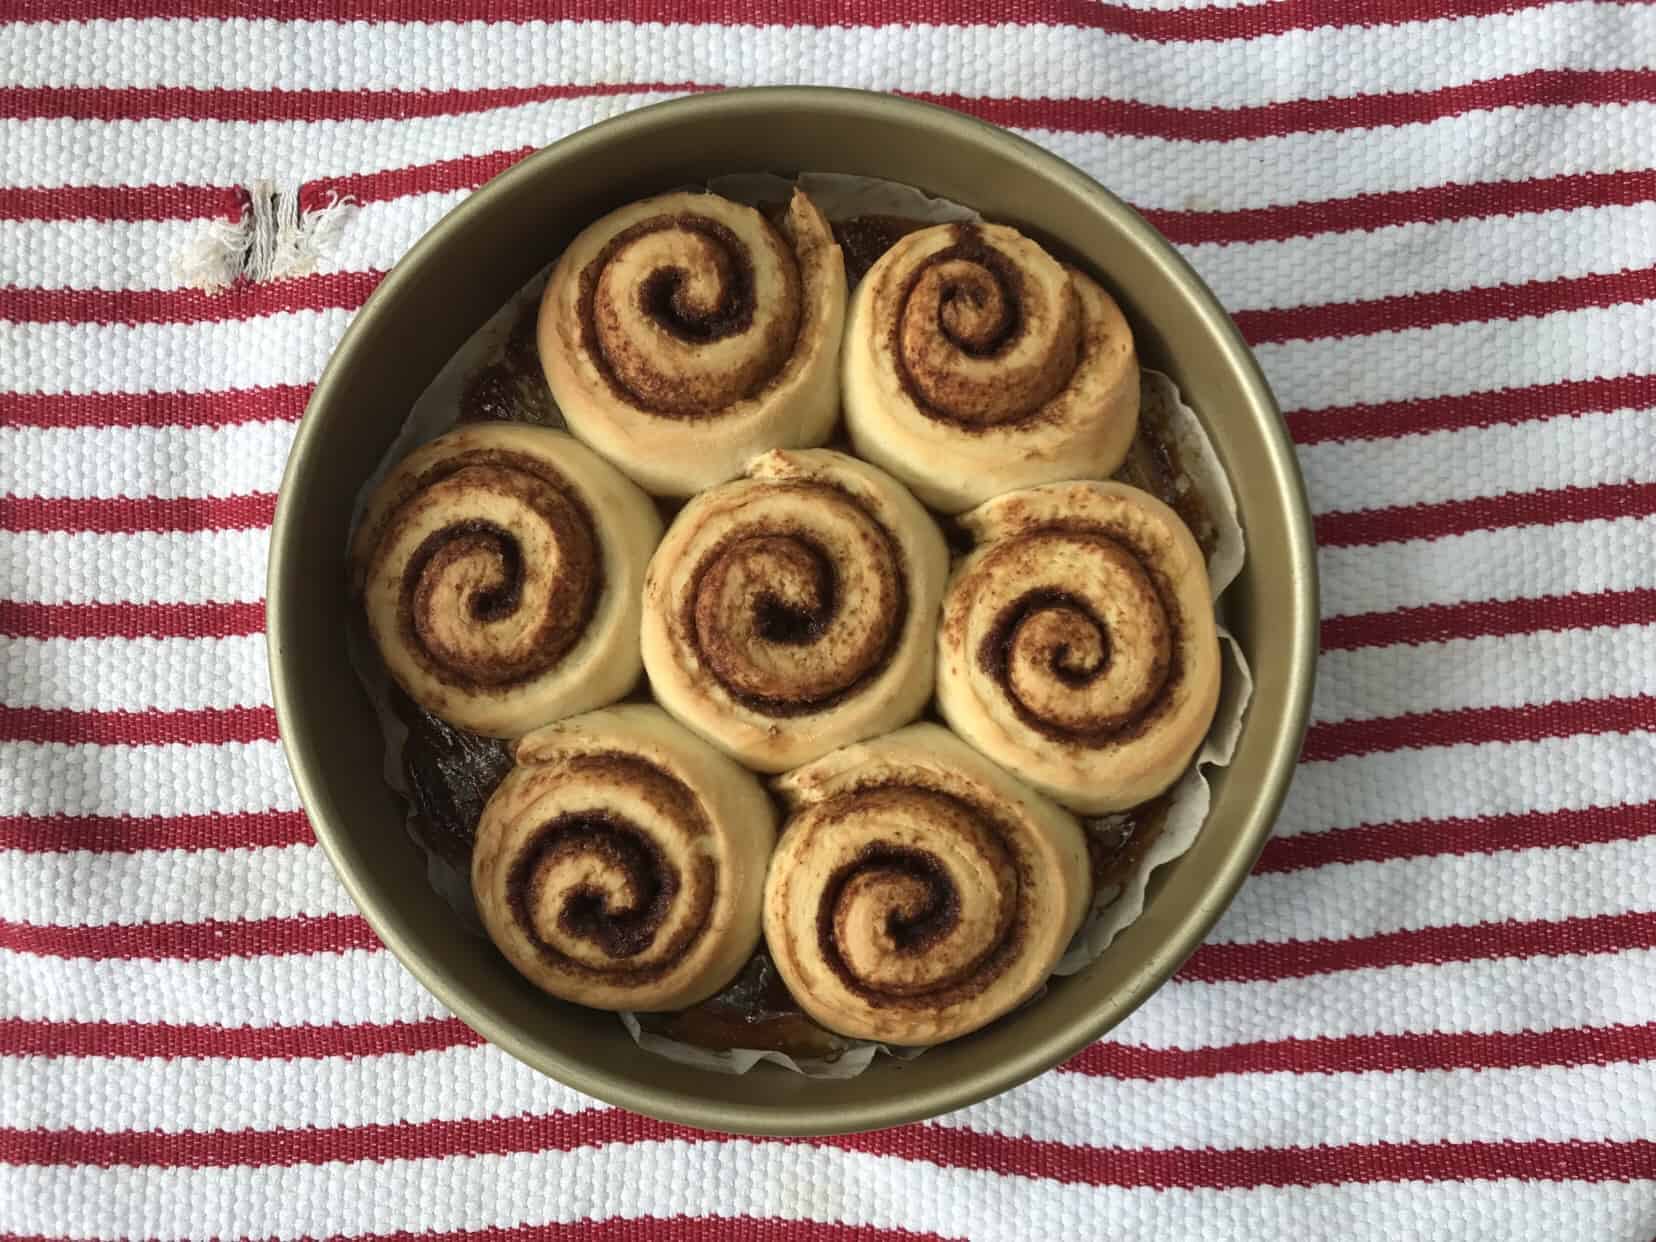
x=500, y=568
x=792, y=611
x=683, y=334
x=621, y=863
x=976, y=363
x=918, y=891
x=1078, y=644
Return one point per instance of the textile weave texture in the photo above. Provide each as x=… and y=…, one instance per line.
x=1431, y=1013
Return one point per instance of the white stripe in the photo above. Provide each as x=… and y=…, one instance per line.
x=745, y=1179
x=1501, y=144
x=1480, y=461
x=291, y=348
x=60, y=567
x=225, y=153
x=234, y=1094
x=1023, y=60
x=1335, y=267
x=286, y=348
x=122, y=254
x=58, y=779
x=361, y=985
x=1266, y=1110
x=80, y=888
x=1413, y=258
x=1457, y=358
x=1511, y=671
x=175, y=461
x=1310, y=1110
x=1505, y=995
x=86, y=889
x=56, y=567
x=1495, y=778
x=1149, y=172
x=1374, y=898
x=143, y=461
x=135, y=674
x=1516, y=562
x=83, y=254
x=1538, y=994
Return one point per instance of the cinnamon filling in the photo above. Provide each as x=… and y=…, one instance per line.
x=706, y=293
x=471, y=573
x=764, y=609
x=970, y=299
x=923, y=907
x=623, y=919
x=1056, y=640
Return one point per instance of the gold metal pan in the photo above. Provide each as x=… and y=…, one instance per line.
x=464, y=270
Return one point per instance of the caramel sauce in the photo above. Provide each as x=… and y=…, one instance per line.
x=864, y=239
x=450, y=775
x=753, y=1011
x=511, y=389
x=1116, y=843
x=1153, y=465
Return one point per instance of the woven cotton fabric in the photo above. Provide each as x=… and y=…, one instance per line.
x=1431, y=1013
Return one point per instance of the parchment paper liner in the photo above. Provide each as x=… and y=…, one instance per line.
x=843, y=198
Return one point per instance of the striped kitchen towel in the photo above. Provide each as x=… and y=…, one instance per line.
x=1430, y=1014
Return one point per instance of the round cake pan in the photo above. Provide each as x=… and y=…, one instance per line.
x=464, y=270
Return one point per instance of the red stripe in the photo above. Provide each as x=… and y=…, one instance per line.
x=187, y=103
x=1269, y=961
x=108, y=515
x=125, y=834
x=284, y=403
x=195, y=726
x=1390, y=208
x=348, y=290
x=25, y=1038
x=119, y=203
x=110, y=202
x=1352, y=528
x=1324, y=741
x=1360, y=1054
x=1471, y=726
x=1252, y=962
x=1546, y=507
x=124, y=620
x=209, y=940
x=1497, y=407
x=1328, y=1055
x=1437, y=623
x=943, y=1146
x=1484, y=834
x=1360, y=212
x=1540, y=87
x=444, y=176
x=319, y=292
x=1183, y=25
x=1423, y=310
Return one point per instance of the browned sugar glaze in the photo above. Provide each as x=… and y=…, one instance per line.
x=1153, y=465
x=451, y=772
x=862, y=241
x=512, y=389
x=755, y=1011
x=450, y=775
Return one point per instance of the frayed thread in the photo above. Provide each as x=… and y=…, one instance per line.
x=273, y=240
